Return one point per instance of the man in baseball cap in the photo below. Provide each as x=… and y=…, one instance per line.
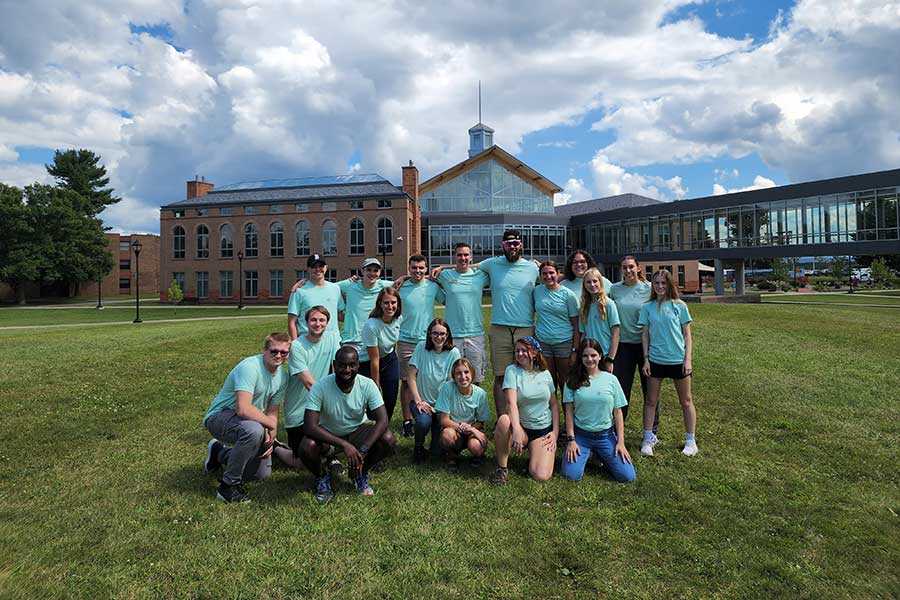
x=315, y=292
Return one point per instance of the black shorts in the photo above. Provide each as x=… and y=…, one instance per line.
x=295, y=436
x=534, y=434
x=658, y=371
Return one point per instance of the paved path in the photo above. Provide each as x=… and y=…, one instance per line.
x=14, y=327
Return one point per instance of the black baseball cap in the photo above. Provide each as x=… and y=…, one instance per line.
x=315, y=259
x=512, y=234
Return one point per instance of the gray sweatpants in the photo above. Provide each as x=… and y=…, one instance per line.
x=242, y=444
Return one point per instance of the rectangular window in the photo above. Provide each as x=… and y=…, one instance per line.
x=125, y=264
x=203, y=284
x=178, y=213
x=179, y=277
x=202, y=212
x=275, y=208
x=276, y=241
x=251, y=284
x=276, y=283
x=250, y=210
x=125, y=284
x=681, y=276
x=125, y=246
x=668, y=268
x=329, y=206
x=385, y=203
x=331, y=275
x=356, y=273
x=648, y=269
x=302, y=275
x=357, y=204
x=226, y=211
x=301, y=207
x=387, y=273
x=226, y=284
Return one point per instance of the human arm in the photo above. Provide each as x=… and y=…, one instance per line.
x=269, y=441
x=572, y=449
x=399, y=281
x=476, y=430
x=374, y=364
x=688, y=348
x=245, y=409
x=306, y=379
x=315, y=431
x=613, y=349
x=292, y=326
x=621, y=450
x=381, y=425
x=422, y=406
x=550, y=439
x=519, y=438
x=298, y=285
x=576, y=338
x=645, y=346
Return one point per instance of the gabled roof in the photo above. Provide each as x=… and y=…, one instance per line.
x=513, y=164
x=601, y=204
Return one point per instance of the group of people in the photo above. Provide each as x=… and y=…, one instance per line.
x=574, y=333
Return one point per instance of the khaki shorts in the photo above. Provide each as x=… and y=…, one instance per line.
x=503, y=344
x=357, y=438
x=404, y=353
x=474, y=349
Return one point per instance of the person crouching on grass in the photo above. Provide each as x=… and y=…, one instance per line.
x=593, y=401
x=463, y=409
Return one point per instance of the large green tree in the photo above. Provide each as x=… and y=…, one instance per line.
x=81, y=171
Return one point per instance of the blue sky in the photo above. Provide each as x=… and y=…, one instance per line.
x=668, y=98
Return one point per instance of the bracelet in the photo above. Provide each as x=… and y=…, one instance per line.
x=570, y=438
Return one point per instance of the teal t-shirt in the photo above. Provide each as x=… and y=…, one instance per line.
x=359, y=304
x=306, y=356
x=432, y=370
x=463, y=294
x=250, y=375
x=533, y=391
x=340, y=413
x=629, y=300
x=555, y=309
x=601, y=329
x=576, y=284
x=594, y=405
x=303, y=299
x=418, y=308
x=377, y=333
x=666, y=337
x=463, y=409
x=512, y=286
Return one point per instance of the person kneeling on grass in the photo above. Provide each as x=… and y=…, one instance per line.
x=463, y=409
x=593, y=401
x=336, y=422
x=243, y=419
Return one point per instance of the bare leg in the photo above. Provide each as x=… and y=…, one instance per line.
x=287, y=457
x=541, y=458
x=499, y=397
x=650, y=401
x=404, y=400
x=474, y=447
x=502, y=440
x=683, y=387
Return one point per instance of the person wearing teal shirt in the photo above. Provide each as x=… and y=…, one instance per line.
x=532, y=422
x=599, y=317
x=360, y=297
x=418, y=295
x=593, y=401
x=577, y=264
x=315, y=292
x=630, y=294
x=668, y=351
x=463, y=410
x=243, y=419
x=463, y=289
x=557, y=322
x=337, y=420
x=310, y=361
x=429, y=368
x=379, y=338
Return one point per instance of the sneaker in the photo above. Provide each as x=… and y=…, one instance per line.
x=232, y=494
x=212, y=463
x=408, y=428
x=419, y=455
x=690, y=448
x=648, y=445
x=324, y=492
x=335, y=468
x=501, y=476
x=477, y=461
x=362, y=485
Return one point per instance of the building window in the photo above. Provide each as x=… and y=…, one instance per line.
x=385, y=203
x=202, y=241
x=226, y=284
x=385, y=236
x=179, y=277
x=276, y=239
x=251, y=241
x=125, y=246
x=251, y=284
x=125, y=284
x=302, y=275
x=275, y=208
x=387, y=273
x=301, y=207
x=331, y=275
x=202, y=212
x=667, y=268
x=302, y=238
x=648, y=270
x=178, y=242
x=178, y=213
x=202, y=284
x=250, y=210
x=125, y=264
x=357, y=204
x=357, y=237
x=356, y=273
x=226, y=241
x=329, y=238
x=681, y=276
x=226, y=211
x=329, y=206
x=276, y=283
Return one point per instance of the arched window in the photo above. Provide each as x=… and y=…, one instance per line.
x=329, y=237
x=385, y=236
x=276, y=239
x=202, y=241
x=226, y=241
x=251, y=240
x=302, y=238
x=357, y=237
x=178, y=242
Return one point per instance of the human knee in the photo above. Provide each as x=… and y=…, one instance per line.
x=388, y=440
x=503, y=424
x=475, y=447
x=541, y=474
x=448, y=437
x=309, y=447
x=686, y=401
x=251, y=432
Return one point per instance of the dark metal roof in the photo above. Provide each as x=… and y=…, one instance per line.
x=602, y=204
x=261, y=184
x=303, y=193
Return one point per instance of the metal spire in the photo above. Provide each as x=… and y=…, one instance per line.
x=479, y=101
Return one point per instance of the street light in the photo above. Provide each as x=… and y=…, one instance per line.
x=382, y=248
x=136, y=246
x=240, y=280
x=99, y=279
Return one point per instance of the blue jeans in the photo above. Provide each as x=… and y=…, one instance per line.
x=424, y=422
x=604, y=444
x=245, y=437
x=389, y=374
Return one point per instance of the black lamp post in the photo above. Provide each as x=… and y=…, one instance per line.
x=99, y=279
x=383, y=249
x=850, y=273
x=136, y=246
x=240, y=280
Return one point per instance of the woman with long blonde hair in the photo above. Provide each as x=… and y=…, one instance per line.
x=599, y=317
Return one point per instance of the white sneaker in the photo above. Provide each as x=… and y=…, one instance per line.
x=690, y=448
x=648, y=445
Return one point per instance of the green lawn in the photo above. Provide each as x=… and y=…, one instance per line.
x=794, y=493
x=886, y=299
x=119, y=313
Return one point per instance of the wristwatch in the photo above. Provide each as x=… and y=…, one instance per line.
x=609, y=359
x=570, y=438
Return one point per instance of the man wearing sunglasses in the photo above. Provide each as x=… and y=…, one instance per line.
x=243, y=419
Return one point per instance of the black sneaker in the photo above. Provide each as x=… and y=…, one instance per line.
x=408, y=428
x=324, y=493
x=232, y=494
x=212, y=463
x=419, y=455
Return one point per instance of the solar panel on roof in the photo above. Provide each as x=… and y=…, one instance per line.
x=301, y=182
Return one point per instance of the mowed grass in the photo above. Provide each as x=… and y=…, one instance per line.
x=869, y=298
x=794, y=494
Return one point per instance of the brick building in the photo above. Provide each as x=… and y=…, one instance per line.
x=120, y=281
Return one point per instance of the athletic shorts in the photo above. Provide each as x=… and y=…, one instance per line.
x=658, y=371
x=295, y=437
x=404, y=353
x=560, y=350
x=503, y=343
x=534, y=434
x=473, y=348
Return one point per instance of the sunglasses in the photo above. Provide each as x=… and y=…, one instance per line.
x=512, y=243
x=279, y=352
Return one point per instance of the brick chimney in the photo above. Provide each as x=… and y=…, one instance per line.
x=198, y=187
x=411, y=187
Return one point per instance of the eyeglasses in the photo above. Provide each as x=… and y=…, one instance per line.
x=279, y=352
x=439, y=334
x=512, y=243
x=579, y=262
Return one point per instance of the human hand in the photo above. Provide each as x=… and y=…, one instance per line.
x=355, y=458
x=688, y=368
x=548, y=442
x=425, y=408
x=622, y=451
x=298, y=285
x=645, y=370
x=572, y=451
x=519, y=439
x=480, y=436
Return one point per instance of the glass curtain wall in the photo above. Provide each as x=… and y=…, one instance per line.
x=488, y=187
x=540, y=241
